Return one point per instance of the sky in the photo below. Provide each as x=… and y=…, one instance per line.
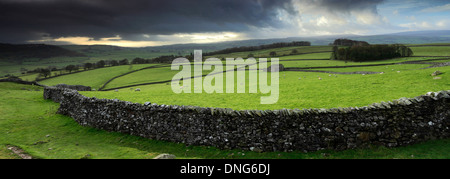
x=138, y=23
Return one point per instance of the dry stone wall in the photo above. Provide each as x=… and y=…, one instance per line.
x=400, y=122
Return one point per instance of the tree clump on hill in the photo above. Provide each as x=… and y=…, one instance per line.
x=348, y=42
x=260, y=47
x=360, y=51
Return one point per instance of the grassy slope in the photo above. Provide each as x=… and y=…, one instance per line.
x=40, y=132
x=325, y=55
x=144, y=76
x=280, y=52
x=94, y=54
x=306, y=92
x=320, y=63
x=27, y=125
x=94, y=78
x=431, y=51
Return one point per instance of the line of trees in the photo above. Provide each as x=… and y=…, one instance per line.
x=47, y=72
x=160, y=59
x=260, y=47
x=359, y=53
x=348, y=42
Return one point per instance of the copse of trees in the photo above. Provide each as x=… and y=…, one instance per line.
x=113, y=63
x=138, y=61
x=260, y=47
x=71, y=68
x=100, y=64
x=273, y=53
x=45, y=72
x=359, y=53
x=348, y=42
x=160, y=59
x=124, y=62
x=88, y=66
x=163, y=59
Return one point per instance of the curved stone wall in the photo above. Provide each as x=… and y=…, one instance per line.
x=400, y=122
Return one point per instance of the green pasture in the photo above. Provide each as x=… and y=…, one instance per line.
x=40, y=132
x=284, y=51
x=31, y=123
x=303, y=90
x=431, y=51
x=94, y=78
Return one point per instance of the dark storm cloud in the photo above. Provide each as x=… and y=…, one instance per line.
x=23, y=20
x=348, y=5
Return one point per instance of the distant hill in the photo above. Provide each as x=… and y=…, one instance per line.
x=410, y=37
x=23, y=51
x=428, y=33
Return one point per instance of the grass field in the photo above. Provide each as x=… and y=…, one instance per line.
x=144, y=76
x=297, y=89
x=284, y=51
x=328, y=63
x=36, y=128
x=431, y=51
x=31, y=123
x=306, y=92
x=93, y=78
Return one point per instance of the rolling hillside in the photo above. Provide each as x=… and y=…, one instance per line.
x=13, y=52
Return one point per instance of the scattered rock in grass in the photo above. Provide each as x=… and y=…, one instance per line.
x=40, y=142
x=138, y=89
x=165, y=156
x=116, y=90
x=87, y=156
x=436, y=73
x=18, y=151
x=437, y=78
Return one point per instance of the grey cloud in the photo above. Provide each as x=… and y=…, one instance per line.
x=338, y=7
x=24, y=20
